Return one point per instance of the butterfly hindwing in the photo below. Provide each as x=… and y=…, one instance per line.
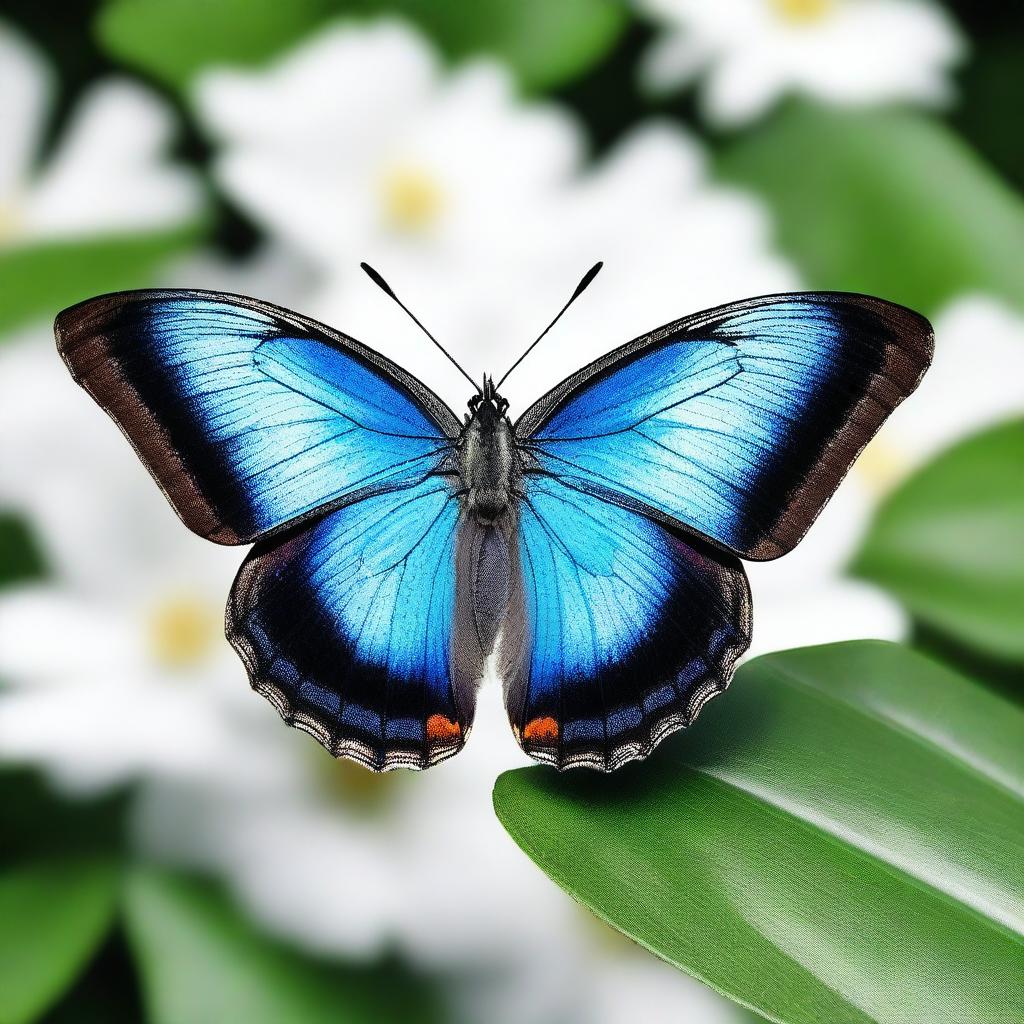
x=347, y=626
x=620, y=631
x=249, y=416
x=737, y=423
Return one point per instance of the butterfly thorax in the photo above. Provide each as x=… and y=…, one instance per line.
x=488, y=462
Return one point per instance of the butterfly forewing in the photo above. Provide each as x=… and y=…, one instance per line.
x=737, y=423
x=250, y=417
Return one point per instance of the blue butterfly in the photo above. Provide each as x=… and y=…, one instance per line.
x=594, y=543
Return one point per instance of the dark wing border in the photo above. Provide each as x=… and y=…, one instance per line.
x=903, y=368
x=81, y=341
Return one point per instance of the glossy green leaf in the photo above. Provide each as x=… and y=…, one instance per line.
x=53, y=915
x=545, y=43
x=885, y=202
x=203, y=963
x=41, y=280
x=949, y=543
x=837, y=839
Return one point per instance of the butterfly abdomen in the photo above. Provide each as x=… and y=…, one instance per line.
x=488, y=463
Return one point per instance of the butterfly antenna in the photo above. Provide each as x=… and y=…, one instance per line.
x=580, y=289
x=387, y=289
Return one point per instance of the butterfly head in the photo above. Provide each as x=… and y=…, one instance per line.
x=487, y=405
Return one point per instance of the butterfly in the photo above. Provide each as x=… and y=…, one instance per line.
x=592, y=546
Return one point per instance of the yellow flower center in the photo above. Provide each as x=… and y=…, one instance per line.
x=183, y=631
x=411, y=199
x=881, y=466
x=803, y=11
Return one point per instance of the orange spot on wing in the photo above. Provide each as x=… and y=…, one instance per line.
x=541, y=730
x=442, y=729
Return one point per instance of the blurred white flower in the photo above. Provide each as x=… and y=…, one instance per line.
x=108, y=172
x=850, y=52
x=358, y=146
x=359, y=135
x=110, y=669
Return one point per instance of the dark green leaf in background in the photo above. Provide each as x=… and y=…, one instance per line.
x=41, y=280
x=38, y=823
x=544, y=43
x=885, y=202
x=949, y=543
x=21, y=558
x=201, y=962
x=53, y=914
x=106, y=992
x=838, y=839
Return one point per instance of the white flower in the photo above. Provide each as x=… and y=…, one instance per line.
x=850, y=52
x=109, y=670
x=108, y=172
x=358, y=135
x=358, y=146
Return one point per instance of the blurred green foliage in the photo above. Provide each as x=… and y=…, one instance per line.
x=53, y=914
x=884, y=202
x=81, y=930
x=202, y=961
x=58, y=890
x=949, y=544
x=838, y=841
x=42, y=279
x=21, y=559
x=544, y=43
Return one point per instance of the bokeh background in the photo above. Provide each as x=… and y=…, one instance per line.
x=169, y=852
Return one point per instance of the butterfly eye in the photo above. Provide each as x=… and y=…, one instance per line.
x=502, y=406
x=474, y=402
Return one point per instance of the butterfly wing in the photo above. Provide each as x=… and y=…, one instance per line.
x=620, y=629
x=249, y=416
x=347, y=625
x=737, y=423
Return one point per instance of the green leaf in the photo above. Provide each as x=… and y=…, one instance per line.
x=838, y=839
x=41, y=280
x=21, y=558
x=949, y=543
x=545, y=43
x=53, y=915
x=36, y=823
x=203, y=963
x=174, y=39
x=884, y=202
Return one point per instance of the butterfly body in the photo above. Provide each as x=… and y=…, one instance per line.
x=592, y=547
x=488, y=461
